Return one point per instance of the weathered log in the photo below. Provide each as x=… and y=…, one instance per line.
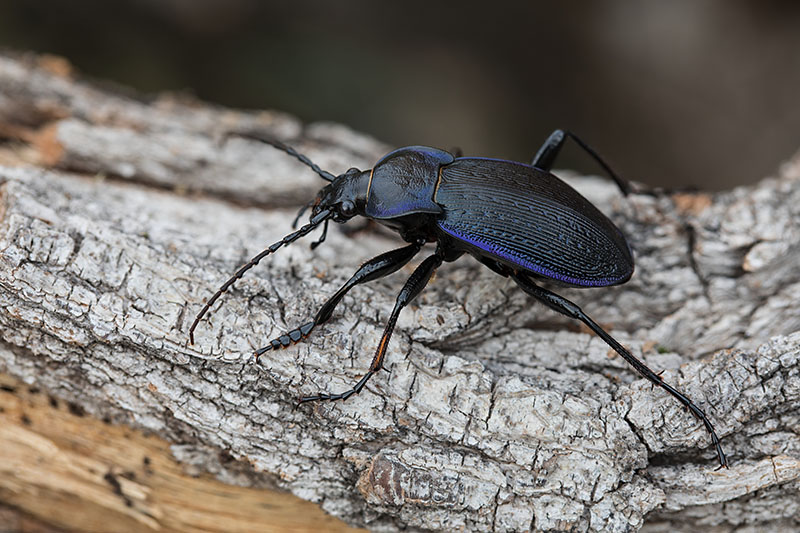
x=119, y=217
x=83, y=474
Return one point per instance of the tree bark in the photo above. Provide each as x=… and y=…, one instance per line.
x=120, y=217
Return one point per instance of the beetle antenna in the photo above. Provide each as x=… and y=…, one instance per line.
x=321, y=217
x=256, y=136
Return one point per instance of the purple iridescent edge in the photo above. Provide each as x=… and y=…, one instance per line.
x=538, y=269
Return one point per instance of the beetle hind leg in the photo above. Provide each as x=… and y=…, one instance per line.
x=545, y=158
x=375, y=268
x=418, y=280
x=566, y=307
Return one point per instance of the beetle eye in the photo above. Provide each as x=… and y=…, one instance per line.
x=347, y=208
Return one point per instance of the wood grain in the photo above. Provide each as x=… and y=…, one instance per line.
x=78, y=473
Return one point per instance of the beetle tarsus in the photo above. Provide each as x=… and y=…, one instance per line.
x=341, y=396
x=287, y=339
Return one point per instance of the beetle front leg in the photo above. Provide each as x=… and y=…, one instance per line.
x=566, y=307
x=375, y=268
x=411, y=290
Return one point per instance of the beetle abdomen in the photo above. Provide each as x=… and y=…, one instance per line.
x=529, y=219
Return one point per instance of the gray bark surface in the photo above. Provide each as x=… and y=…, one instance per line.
x=119, y=217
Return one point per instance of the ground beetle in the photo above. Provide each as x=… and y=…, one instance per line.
x=519, y=220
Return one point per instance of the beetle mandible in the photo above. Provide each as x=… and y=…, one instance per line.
x=519, y=220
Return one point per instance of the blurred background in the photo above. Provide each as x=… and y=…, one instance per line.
x=671, y=93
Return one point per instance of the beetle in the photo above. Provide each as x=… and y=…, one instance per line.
x=517, y=219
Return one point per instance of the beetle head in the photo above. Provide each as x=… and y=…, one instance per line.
x=345, y=197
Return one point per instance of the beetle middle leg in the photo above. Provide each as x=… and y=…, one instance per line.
x=375, y=268
x=566, y=307
x=546, y=156
x=418, y=280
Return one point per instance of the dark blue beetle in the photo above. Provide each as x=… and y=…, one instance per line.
x=519, y=220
